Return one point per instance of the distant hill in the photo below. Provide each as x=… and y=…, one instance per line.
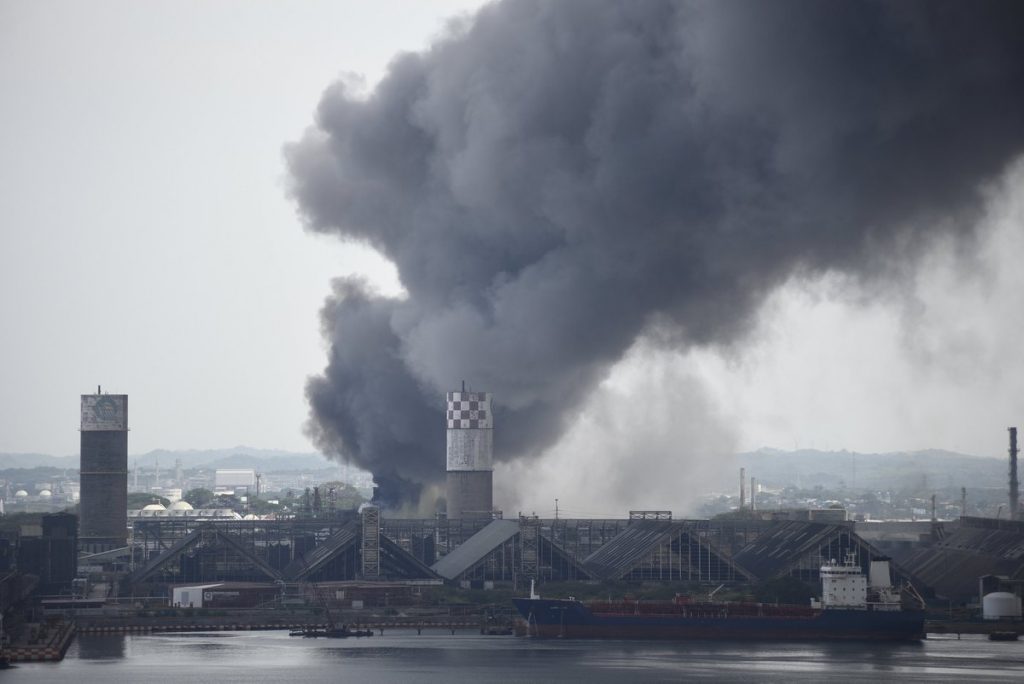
x=907, y=470
x=236, y=457
x=267, y=460
x=808, y=468
x=37, y=461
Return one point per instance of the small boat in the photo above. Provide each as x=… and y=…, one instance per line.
x=331, y=632
x=1003, y=636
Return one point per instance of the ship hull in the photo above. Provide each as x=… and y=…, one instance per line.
x=552, y=618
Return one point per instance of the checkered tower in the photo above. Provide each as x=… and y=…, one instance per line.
x=470, y=454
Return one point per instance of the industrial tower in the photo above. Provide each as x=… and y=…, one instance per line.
x=103, y=523
x=1014, y=485
x=470, y=454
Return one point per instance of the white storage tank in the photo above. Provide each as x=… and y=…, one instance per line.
x=1000, y=605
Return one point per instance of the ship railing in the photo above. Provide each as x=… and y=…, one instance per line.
x=701, y=610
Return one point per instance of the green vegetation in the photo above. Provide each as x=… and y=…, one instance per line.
x=200, y=497
x=346, y=497
x=263, y=507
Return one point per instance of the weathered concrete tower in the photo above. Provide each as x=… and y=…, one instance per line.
x=103, y=520
x=470, y=454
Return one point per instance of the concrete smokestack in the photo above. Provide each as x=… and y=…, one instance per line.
x=743, y=478
x=470, y=454
x=753, y=494
x=1014, y=490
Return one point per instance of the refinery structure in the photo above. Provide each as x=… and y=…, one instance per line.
x=370, y=559
x=472, y=544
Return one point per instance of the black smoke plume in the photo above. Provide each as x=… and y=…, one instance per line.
x=555, y=179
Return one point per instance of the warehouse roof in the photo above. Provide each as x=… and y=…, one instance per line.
x=979, y=546
x=783, y=545
x=636, y=543
x=476, y=548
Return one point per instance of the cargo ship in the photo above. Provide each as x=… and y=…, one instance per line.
x=851, y=609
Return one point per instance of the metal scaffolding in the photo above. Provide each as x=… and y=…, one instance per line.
x=529, y=534
x=371, y=542
x=349, y=547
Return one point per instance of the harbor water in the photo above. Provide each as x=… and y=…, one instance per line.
x=437, y=656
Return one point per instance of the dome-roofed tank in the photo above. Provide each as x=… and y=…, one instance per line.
x=20, y=494
x=1001, y=605
x=154, y=507
x=46, y=493
x=180, y=506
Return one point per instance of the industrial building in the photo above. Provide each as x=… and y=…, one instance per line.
x=255, y=560
x=234, y=480
x=181, y=551
x=647, y=547
x=104, y=472
x=470, y=454
x=954, y=560
x=49, y=552
x=224, y=595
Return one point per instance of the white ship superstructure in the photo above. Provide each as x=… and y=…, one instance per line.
x=844, y=586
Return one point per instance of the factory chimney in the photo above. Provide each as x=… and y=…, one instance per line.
x=470, y=454
x=753, y=494
x=1014, y=491
x=743, y=493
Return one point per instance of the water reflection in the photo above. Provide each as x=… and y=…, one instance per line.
x=101, y=646
x=273, y=657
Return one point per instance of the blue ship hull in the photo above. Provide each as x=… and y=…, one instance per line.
x=555, y=618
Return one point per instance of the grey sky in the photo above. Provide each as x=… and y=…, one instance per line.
x=147, y=243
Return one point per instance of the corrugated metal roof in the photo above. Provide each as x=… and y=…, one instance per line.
x=779, y=547
x=787, y=544
x=627, y=548
x=978, y=547
x=197, y=535
x=476, y=548
x=634, y=544
x=304, y=565
x=396, y=562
